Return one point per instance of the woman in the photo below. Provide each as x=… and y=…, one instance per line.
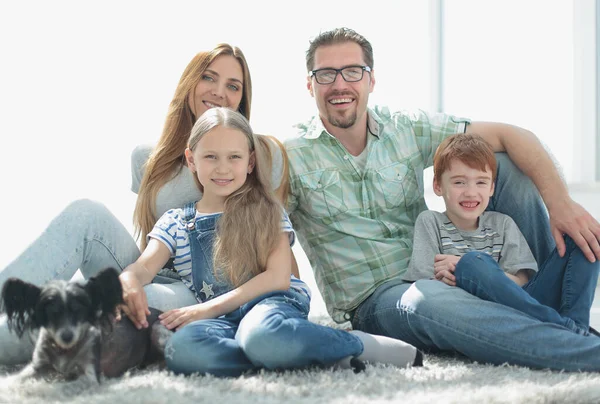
x=95, y=238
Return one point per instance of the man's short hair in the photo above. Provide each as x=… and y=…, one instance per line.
x=337, y=36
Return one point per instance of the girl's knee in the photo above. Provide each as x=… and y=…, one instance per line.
x=271, y=344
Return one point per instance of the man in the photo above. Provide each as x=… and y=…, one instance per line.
x=357, y=187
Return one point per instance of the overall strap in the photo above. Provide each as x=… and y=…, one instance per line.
x=189, y=214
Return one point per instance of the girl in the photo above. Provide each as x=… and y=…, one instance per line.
x=95, y=238
x=232, y=249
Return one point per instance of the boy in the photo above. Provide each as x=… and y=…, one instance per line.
x=485, y=253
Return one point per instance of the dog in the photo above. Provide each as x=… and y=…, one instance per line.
x=76, y=332
x=70, y=319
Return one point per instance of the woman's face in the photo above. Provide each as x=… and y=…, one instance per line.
x=221, y=85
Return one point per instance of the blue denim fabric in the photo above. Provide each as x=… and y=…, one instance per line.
x=566, y=286
x=201, y=232
x=271, y=331
x=436, y=317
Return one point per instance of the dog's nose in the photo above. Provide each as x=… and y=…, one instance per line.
x=66, y=336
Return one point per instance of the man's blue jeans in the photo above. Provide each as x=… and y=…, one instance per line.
x=271, y=332
x=436, y=317
x=561, y=292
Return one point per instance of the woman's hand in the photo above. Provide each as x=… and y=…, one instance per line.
x=177, y=318
x=443, y=268
x=134, y=296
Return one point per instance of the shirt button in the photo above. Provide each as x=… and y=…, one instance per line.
x=319, y=185
x=346, y=157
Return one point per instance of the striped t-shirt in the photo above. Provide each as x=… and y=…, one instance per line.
x=170, y=230
x=497, y=234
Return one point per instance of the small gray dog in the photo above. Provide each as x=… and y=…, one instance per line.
x=76, y=333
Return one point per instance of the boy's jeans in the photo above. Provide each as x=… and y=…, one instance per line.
x=562, y=291
x=436, y=317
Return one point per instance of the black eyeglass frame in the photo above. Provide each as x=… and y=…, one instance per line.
x=313, y=73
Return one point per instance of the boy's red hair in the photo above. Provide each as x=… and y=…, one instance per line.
x=471, y=149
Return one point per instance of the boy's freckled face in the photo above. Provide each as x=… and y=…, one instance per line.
x=466, y=192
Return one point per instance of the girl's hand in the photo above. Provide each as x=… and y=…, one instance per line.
x=443, y=268
x=134, y=296
x=177, y=318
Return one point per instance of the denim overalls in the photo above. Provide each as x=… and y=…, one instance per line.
x=270, y=331
x=201, y=234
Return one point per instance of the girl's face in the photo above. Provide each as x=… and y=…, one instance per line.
x=221, y=85
x=222, y=161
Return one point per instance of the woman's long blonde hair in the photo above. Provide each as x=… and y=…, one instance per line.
x=250, y=225
x=168, y=157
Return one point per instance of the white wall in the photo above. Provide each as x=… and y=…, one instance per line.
x=82, y=83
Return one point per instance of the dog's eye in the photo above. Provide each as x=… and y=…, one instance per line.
x=53, y=310
x=77, y=307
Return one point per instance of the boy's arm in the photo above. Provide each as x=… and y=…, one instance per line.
x=516, y=259
x=426, y=245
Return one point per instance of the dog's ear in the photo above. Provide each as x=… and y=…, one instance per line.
x=19, y=300
x=105, y=291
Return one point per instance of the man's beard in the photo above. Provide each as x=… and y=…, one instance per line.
x=343, y=123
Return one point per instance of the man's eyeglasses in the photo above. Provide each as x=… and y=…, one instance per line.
x=350, y=73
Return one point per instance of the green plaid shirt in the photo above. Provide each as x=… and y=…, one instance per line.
x=357, y=227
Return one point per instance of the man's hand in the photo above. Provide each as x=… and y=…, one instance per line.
x=177, y=318
x=136, y=304
x=443, y=268
x=568, y=217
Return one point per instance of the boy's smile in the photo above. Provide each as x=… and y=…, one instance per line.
x=466, y=192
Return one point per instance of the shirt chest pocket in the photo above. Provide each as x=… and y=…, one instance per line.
x=324, y=193
x=396, y=184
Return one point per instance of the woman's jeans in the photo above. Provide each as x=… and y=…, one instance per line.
x=270, y=332
x=561, y=292
x=85, y=236
x=436, y=317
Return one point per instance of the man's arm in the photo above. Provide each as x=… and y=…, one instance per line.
x=526, y=151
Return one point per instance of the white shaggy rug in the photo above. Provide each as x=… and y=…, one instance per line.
x=441, y=380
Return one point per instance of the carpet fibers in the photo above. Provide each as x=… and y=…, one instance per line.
x=442, y=379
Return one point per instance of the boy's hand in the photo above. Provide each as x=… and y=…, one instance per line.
x=443, y=268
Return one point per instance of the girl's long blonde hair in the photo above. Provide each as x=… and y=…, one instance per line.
x=248, y=230
x=168, y=157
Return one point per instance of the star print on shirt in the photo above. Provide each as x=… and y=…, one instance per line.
x=207, y=290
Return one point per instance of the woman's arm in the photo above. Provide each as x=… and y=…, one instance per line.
x=275, y=277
